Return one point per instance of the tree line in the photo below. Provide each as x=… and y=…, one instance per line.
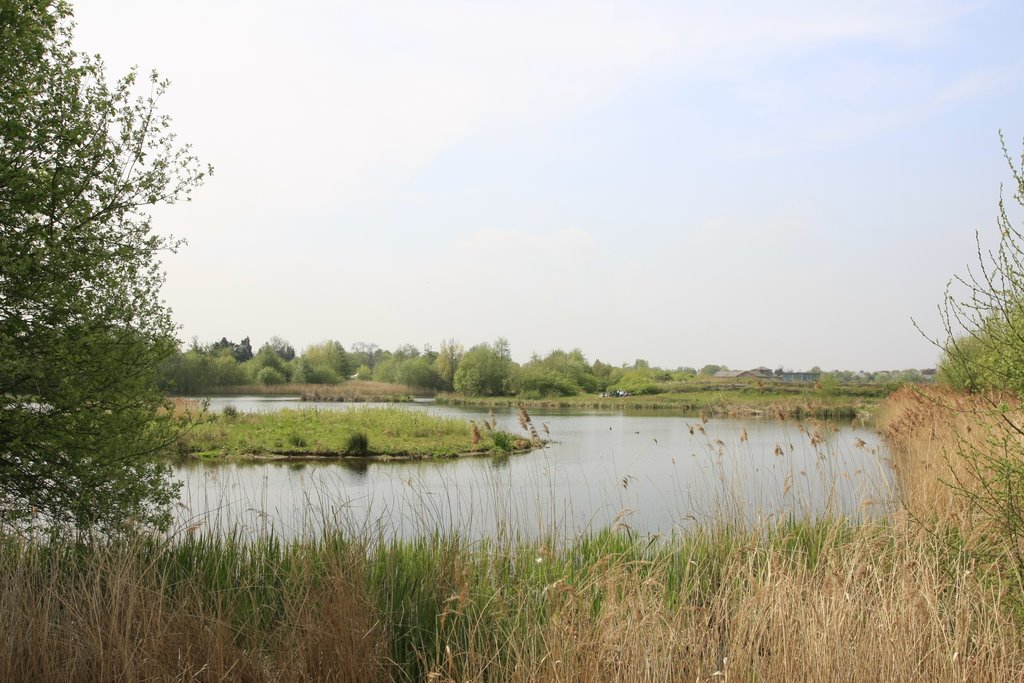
x=486, y=369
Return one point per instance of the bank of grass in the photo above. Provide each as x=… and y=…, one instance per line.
x=819, y=601
x=713, y=399
x=365, y=432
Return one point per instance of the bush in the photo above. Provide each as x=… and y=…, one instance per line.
x=983, y=315
x=503, y=441
x=269, y=375
x=540, y=382
x=358, y=443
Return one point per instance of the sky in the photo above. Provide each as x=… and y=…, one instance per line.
x=739, y=183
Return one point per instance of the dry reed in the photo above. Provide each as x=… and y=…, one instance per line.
x=812, y=601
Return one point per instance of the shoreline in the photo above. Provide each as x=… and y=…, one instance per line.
x=335, y=456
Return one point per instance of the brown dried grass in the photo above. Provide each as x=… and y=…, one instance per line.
x=879, y=601
x=354, y=390
x=118, y=618
x=940, y=439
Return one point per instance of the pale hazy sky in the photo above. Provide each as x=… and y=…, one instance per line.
x=782, y=183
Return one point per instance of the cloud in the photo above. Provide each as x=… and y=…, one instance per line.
x=980, y=82
x=306, y=106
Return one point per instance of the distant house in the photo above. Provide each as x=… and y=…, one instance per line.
x=798, y=376
x=728, y=374
x=767, y=373
x=756, y=373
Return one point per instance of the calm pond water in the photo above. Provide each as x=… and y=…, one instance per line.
x=653, y=472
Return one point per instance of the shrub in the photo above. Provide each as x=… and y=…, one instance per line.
x=358, y=443
x=503, y=441
x=269, y=375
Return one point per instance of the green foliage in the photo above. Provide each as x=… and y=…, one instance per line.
x=503, y=441
x=534, y=381
x=267, y=367
x=241, y=352
x=281, y=347
x=829, y=384
x=358, y=443
x=386, y=371
x=325, y=363
x=269, y=375
x=485, y=370
x=639, y=382
x=560, y=373
x=364, y=373
x=419, y=373
x=82, y=325
x=447, y=362
x=393, y=431
x=983, y=312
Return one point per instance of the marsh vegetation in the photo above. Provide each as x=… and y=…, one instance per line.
x=371, y=432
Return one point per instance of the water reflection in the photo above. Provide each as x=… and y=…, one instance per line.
x=653, y=472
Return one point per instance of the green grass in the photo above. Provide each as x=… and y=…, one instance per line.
x=358, y=432
x=713, y=398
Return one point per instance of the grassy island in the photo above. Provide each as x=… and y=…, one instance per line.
x=369, y=433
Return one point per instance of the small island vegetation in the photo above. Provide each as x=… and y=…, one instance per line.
x=361, y=432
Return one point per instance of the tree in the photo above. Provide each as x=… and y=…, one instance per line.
x=265, y=358
x=281, y=347
x=366, y=354
x=82, y=326
x=418, y=373
x=241, y=351
x=485, y=370
x=325, y=363
x=447, y=361
x=983, y=311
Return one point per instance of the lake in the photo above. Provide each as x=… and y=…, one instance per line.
x=650, y=472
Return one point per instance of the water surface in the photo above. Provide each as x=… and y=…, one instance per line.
x=649, y=472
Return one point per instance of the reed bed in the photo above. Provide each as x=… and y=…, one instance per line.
x=354, y=391
x=959, y=461
x=184, y=408
x=797, y=601
x=941, y=440
x=794, y=599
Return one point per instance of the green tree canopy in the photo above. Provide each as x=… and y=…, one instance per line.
x=325, y=363
x=82, y=326
x=485, y=370
x=447, y=362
